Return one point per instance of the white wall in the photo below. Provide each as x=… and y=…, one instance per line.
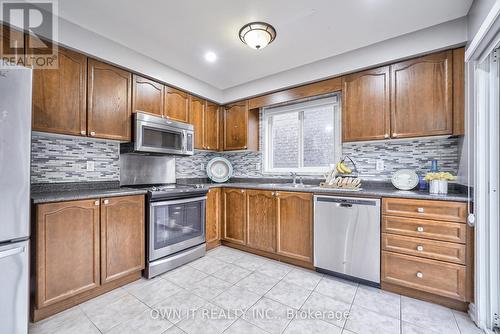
x=441, y=36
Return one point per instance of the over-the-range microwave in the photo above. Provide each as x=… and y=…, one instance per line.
x=158, y=135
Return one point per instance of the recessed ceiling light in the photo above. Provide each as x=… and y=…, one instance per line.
x=257, y=35
x=210, y=56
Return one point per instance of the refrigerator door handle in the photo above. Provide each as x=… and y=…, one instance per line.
x=12, y=251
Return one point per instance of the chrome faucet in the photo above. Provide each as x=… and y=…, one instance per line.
x=294, y=176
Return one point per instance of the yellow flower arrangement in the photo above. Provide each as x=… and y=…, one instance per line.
x=439, y=176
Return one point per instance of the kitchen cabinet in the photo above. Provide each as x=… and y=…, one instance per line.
x=147, y=96
x=234, y=215
x=295, y=225
x=60, y=95
x=197, y=119
x=241, y=127
x=366, y=105
x=15, y=38
x=85, y=248
x=109, y=101
x=122, y=237
x=176, y=105
x=67, y=250
x=211, y=129
x=422, y=96
x=213, y=218
x=427, y=251
x=459, y=92
x=261, y=220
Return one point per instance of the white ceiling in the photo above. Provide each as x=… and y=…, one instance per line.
x=178, y=33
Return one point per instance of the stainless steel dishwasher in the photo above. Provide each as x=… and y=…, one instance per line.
x=347, y=237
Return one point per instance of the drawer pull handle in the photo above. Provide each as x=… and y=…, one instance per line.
x=420, y=210
x=106, y=201
x=96, y=203
x=420, y=248
x=420, y=229
x=419, y=274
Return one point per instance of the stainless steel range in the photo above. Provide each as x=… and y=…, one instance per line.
x=175, y=216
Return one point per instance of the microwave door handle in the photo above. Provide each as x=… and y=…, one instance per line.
x=184, y=141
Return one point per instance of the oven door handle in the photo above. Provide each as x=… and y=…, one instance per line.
x=180, y=201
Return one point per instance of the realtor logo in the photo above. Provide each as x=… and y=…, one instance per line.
x=38, y=21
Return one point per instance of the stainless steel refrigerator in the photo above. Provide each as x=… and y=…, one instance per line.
x=15, y=152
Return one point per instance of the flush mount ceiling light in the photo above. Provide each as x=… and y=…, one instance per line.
x=257, y=35
x=210, y=56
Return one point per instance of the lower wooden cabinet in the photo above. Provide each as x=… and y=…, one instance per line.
x=67, y=250
x=294, y=225
x=234, y=215
x=85, y=248
x=122, y=237
x=275, y=223
x=213, y=218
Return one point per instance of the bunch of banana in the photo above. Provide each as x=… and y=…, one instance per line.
x=342, y=168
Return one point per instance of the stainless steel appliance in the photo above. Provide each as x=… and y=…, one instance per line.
x=175, y=216
x=154, y=134
x=15, y=148
x=347, y=237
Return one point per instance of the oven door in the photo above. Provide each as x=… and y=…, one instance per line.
x=154, y=138
x=176, y=225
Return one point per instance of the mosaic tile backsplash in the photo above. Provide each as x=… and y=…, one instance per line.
x=64, y=159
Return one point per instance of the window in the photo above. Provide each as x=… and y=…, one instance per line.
x=302, y=137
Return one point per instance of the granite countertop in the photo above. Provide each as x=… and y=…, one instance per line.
x=369, y=188
x=56, y=192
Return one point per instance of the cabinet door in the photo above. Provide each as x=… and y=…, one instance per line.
x=67, y=250
x=109, y=101
x=122, y=236
x=235, y=215
x=212, y=121
x=458, y=92
x=176, y=105
x=261, y=220
x=294, y=225
x=422, y=96
x=197, y=118
x=236, y=126
x=213, y=216
x=366, y=105
x=147, y=96
x=15, y=39
x=60, y=95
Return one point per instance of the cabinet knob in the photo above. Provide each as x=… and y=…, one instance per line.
x=96, y=203
x=208, y=147
x=420, y=210
x=277, y=193
x=420, y=248
x=83, y=132
x=386, y=136
x=420, y=274
x=420, y=229
x=92, y=133
x=242, y=190
x=394, y=134
x=106, y=201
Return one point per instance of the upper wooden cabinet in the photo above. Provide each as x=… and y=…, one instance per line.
x=234, y=215
x=109, y=101
x=241, y=127
x=366, y=105
x=459, y=92
x=295, y=225
x=60, y=95
x=211, y=129
x=122, y=237
x=15, y=39
x=148, y=96
x=176, y=105
x=67, y=250
x=422, y=96
x=197, y=119
x=261, y=220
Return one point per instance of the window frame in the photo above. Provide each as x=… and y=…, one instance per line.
x=300, y=107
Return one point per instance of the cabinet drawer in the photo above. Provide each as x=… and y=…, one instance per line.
x=436, y=210
x=437, y=250
x=429, y=229
x=440, y=278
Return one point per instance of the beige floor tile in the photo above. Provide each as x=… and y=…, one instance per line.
x=184, y=276
x=289, y=294
x=310, y=326
x=336, y=288
x=157, y=291
x=179, y=306
x=146, y=322
x=379, y=301
x=231, y=273
x=209, y=319
x=428, y=315
x=362, y=321
x=258, y=283
x=269, y=315
x=307, y=279
x=236, y=299
x=321, y=307
x=209, y=287
x=241, y=326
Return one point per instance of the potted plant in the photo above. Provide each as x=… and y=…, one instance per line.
x=438, y=182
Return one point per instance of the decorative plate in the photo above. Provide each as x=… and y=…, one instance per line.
x=219, y=170
x=405, y=179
